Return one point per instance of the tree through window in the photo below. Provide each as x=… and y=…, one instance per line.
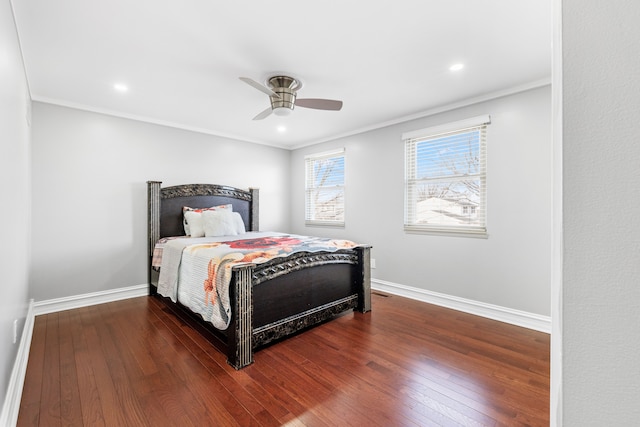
x=324, y=188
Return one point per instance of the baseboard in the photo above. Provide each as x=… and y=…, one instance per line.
x=515, y=317
x=85, y=300
x=11, y=406
x=503, y=314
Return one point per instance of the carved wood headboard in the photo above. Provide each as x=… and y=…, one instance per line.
x=165, y=206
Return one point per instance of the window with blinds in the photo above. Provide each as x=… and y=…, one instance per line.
x=445, y=178
x=324, y=188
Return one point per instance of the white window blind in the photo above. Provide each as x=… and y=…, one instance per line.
x=445, y=178
x=324, y=188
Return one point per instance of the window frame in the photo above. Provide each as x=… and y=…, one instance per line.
x=412, y=182
x=310, y=209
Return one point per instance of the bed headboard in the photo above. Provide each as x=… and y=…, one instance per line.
x=165, y=206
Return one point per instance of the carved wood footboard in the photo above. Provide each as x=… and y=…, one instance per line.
x=350, y=288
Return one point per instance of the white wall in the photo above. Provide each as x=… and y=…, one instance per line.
x=512, y=267
x=601, y=216
x=89, y=192
x=14, y=185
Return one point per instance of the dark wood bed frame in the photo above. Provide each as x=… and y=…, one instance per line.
x=271, y=300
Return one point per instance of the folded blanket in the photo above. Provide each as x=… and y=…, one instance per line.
x=171, y=257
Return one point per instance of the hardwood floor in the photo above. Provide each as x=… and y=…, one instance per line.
x=407, y=363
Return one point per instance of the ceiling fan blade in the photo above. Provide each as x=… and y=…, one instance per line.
x=263, y=114
x=319, y=104
x=258, y=86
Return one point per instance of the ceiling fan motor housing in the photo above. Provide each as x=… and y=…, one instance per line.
x=286, y=88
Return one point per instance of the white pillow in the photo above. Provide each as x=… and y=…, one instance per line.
x=222, y=223
x=199, y=229
x=239, y=223
x=194, y=224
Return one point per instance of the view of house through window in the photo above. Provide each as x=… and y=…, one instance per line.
x=445, y=178
x=324, y=188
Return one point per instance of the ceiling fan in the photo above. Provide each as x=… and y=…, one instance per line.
x=282, y=93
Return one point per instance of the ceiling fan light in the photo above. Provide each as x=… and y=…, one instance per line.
x=282, y=111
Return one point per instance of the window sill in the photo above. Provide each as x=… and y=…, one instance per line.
x=330, y=224
x=478, y=234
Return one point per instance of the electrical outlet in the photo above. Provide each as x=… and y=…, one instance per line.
x=15, y=331
x=373, y=263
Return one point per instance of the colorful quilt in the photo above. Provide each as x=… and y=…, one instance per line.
x=198, y=274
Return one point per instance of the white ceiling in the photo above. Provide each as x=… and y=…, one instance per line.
x=387, y=60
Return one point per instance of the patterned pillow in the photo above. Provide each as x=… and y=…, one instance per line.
x=192, y=219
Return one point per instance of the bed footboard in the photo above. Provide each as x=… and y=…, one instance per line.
x=325, y=295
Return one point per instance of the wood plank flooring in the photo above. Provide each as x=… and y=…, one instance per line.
x=407, y=363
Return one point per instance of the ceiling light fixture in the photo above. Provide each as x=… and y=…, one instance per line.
x=456, y=67
x=282, y=111
x=120, y=87
x=281, y=129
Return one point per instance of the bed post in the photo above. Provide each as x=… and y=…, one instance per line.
x=255, y=209
x=240, y=332
x=153, y=224
x=364, y=293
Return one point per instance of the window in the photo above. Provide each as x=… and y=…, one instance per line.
x=324, y=188
x=445, y=178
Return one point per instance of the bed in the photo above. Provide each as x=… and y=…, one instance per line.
x=271, y=299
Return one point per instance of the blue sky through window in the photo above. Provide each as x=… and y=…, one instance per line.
x=329, y=172
x=451, y=155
